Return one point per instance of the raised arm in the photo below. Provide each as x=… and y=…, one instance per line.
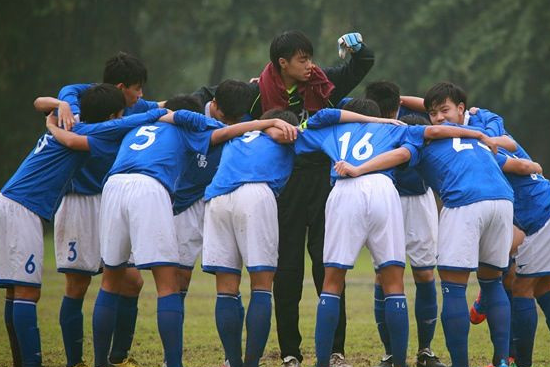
x=48, y=104
x=381, y=162
x=443, y=132
x=67, y=138
x=413, y=103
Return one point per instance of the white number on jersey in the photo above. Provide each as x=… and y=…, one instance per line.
x=42, y=142
x=251, y=135
x=458, y=146
x=360, y=151
x=148, y=132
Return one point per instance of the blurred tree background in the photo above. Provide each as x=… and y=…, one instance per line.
x=497, y=50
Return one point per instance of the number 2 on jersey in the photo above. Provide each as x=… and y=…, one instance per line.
x=360, y=151
x=148, y=132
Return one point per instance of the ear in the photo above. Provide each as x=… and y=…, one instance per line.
x=283, y=63
x=461, y=108
x=120, y=86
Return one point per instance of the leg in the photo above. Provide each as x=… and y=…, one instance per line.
x=25, y=324
x=258, y=317
x=380, y=315
x=454, y=315
x=169, y=313
x=542, y=292
x=524, y=319
x=228, y=316
x=425, y=306
x=71, y=319
x=123, y=336
x=328, y=314
x=395, y=312
x=8, y=320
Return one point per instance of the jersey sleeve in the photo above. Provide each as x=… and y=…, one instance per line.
x=491, y=123
x=71, y=94
x=413, y=140
x=323, y=118
x=309, y=141
x=115, y=130
x=501, y=158
x=196, y=121
x=195, y=141
x=141, y=106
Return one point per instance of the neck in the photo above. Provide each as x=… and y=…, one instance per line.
x=288, y=81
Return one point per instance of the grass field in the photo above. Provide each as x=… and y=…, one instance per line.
x=202, y=346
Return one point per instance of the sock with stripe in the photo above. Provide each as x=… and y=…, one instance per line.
x=124, y=329
x=425, y=310
x=170, y=326
x=103, y=324
x=380, y=317
x=524, y=318
x=71, y=321
x=258, y=324
x=498, y=317
x=455, y=319
x=26, y=329
x=397, y=321
x=328, y=313
x=229, y=325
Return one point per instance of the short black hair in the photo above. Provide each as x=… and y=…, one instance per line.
x=437, y=95
x=415, y=120
x=285, y=115
x=184, y=102
x=386, y=95
x=233, y=98
x=99, y=102
x=126, y=69
x=287, y=45
x=364, y=106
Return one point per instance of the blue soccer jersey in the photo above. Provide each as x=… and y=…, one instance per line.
x=161, y=150
x=461, y=171
x=254, y=157
x=357, y=143
x=89, y=179
x=531, y=196
x=43, y=177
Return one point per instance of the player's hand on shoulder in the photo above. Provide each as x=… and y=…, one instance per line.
x=490, y=142
x=254, y=80
x=169, y=117
x=290, y=132
x=51, y=121
x=66, y=118
x=473, y=110
x=345, y=169
x=349, y=42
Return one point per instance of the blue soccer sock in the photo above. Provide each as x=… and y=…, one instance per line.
x=170, y=326
x=258, y=323
x=103, y=322
x=425, y=310
x=512, y=344
x=498, y=317
x=124, y=329
x=380, y=317
x=544, y=303
x=455, y=319
x=26, y=329
x=229, y=325
x=241, y=313
x=71, y=321
x=8, y=320
x=328, y=313
x=397, y=321
x=524, y=317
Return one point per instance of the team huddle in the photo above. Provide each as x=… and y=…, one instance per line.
x=240, y=173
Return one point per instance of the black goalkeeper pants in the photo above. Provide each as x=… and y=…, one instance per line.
x=301, y=208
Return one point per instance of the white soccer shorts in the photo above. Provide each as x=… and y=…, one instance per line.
x=189, y=229
x=364, y=211
x=533, y=257
x=241, y=228
x=21, y=245
x=136, y=217
x=475, y=234
x=76, y=234
x=421, y=220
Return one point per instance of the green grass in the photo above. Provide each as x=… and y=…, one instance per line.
x=202, y=346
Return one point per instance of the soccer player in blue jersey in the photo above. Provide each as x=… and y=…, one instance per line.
x=475, y=232
x=35, y=192
x=136, y=217
x=76, y=231
x=420, y=217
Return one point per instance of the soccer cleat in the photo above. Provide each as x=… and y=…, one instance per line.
x=426, y=358
x=291, y=361
x=226, y=363
x=477, y=313
x=338, y=360
x=512, y=362
x=127, y=362
x=386, y=361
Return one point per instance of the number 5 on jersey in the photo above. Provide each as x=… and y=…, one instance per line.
x=148, y=132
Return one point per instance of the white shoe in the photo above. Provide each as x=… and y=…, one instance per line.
x=290, y=361
x=338, y=360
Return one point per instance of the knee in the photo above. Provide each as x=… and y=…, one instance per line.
x=133, y=282
x=423, y=276
x=77, y=285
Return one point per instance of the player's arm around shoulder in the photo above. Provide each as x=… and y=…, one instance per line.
x=67, y=138
x=381, y=162
x=221, y=135
x=520, y=166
